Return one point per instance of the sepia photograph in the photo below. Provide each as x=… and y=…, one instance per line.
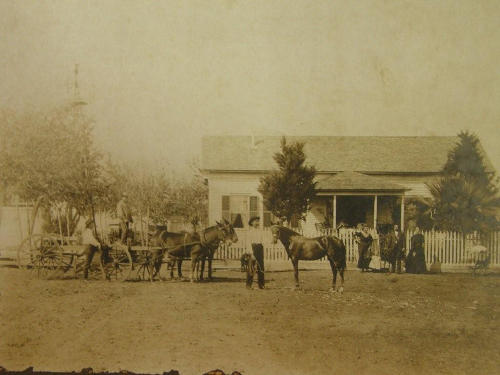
x=236, y=187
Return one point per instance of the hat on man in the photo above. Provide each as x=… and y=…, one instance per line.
x=250, y=222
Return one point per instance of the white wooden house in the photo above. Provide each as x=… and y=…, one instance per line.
x=360, y=179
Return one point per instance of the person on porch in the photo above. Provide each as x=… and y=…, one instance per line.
x=415, y=261
x=364, y=240
x=398, y=249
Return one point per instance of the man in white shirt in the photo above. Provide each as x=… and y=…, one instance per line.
x=92, y=246
x=256, y=249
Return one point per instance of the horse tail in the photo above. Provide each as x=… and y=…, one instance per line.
x=339, y=251
x=343, y=252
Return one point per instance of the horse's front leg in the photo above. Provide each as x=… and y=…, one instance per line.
x=210, y=258
x=295, y=263
x=334, y=274
x=197, y=268
x=171, y=265
x=202, y=268
x=179, y=268
x=193, y=267
x=341, y=271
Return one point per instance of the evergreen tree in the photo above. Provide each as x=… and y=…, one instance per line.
x=466, y=198
x=288, y=191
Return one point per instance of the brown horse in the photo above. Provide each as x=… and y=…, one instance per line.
x=303, y=248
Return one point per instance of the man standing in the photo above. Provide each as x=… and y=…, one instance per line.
x=256, y=262
x=125, y=216
x=398, y=252
x=92, y=246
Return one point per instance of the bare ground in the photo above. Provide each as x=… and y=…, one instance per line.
x=382, y=324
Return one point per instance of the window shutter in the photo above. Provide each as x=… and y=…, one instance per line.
x=254, y=207
x=225, y=203
x=226, y=208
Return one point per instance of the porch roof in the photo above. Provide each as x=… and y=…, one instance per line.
x=354, y=181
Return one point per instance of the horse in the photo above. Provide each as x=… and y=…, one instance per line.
x=303, y=248
x=211, y=248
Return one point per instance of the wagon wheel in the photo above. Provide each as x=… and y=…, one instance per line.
x=143, y=268
x=43, y=256
x=118, y=263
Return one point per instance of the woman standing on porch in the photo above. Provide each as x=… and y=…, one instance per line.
x=364, y=248
x=415, y=260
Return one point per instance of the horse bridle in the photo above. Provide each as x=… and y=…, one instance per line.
x=204, y=238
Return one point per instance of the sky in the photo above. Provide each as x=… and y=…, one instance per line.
x=157, y=75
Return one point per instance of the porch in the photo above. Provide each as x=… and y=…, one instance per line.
x=348, y=199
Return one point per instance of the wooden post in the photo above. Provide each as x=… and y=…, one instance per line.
x=402, y=214
x=147, y=226
x=334, y=213
x=68, y=219
x=375, y=202
x=261, y=211
x=19, y=221
x=60, y=226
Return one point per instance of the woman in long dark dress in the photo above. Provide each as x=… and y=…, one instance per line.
x=364, y=254
x=417, y=254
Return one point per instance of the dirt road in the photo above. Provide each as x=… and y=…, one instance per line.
x=382, y=324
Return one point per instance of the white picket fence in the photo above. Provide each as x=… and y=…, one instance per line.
x=448, y=248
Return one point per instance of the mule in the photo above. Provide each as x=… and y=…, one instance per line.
x=211, y=248
x=299, y=247
x=178, y=246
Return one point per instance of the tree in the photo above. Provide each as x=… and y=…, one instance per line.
x=156, y=196
x=191, y=201
x=466, y=198
x=49, y=159
x=288, y=191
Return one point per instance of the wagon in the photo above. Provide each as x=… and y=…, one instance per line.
x=51, y=256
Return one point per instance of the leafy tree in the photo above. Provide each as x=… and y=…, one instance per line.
x=466, y=198
x=49, y=159
x=288, y=191
x=191, y=201
x=155, y=195
x=465, y=206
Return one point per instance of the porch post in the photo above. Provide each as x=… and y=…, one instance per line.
x=334, y=212
x=375, y=201
x=261, y=212
x=402, y=213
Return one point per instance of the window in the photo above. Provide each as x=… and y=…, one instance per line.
x=238, y=209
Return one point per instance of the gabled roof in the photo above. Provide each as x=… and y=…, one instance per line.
x=349, y=181
x=332, y=154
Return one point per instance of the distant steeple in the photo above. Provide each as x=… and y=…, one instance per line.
x=77, y=101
